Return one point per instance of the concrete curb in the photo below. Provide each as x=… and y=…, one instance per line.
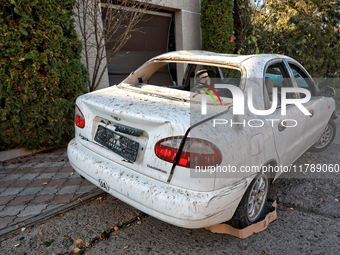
x=16, y=153
x=48, y=214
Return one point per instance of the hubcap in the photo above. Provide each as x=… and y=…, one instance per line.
x=257, y=198
x=325, y=137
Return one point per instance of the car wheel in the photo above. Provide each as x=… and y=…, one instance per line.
x=252, y=204
x=326, y=138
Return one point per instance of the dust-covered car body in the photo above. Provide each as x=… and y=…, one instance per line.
x=139, y=142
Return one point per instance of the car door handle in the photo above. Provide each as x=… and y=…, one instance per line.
x=312, y=113
x=282, y=127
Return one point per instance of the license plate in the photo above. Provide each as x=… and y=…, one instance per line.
x=117, y=143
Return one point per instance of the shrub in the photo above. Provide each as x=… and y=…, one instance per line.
x=307, y=31
x=40, y=72
x=217, y=25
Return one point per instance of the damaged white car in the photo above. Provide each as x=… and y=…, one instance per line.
x=192, y=152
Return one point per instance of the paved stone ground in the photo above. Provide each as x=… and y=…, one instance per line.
x=37, y=184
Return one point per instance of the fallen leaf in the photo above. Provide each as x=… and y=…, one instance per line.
x=79, y=240
x=72, y=173
x=48, y=243
x=87, y=244
x=139, y=222
x=40, y=232
x=23, y=229
x=76, y=250
x=322, y=201
x=337, y=200
x=116, y=228
x=291, y=208
x=18, y=244
x=45, y=183
x=104, y=235
x=336, y=216
x=126, y=247
x=17, y=226
x=56, y=186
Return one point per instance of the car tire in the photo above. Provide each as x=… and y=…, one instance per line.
x=252, y=205
x=325, y=139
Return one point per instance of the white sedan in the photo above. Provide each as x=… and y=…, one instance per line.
x=202, y=150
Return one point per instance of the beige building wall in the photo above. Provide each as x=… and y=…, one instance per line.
x=187, y=29
x=91, y=53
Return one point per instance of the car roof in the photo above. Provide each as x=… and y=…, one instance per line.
x=212, y=57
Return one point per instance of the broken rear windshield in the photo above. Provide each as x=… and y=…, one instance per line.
x=193, y=76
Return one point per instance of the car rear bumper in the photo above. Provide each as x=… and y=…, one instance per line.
x=177, y=206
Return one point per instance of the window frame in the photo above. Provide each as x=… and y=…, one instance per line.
x=286, y=75
x=304, y=74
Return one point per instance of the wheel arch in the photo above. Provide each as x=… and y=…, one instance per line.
x=272, y=175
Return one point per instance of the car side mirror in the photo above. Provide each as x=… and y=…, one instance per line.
x=327, y=91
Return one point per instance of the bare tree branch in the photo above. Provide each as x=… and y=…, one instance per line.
x=105, y=26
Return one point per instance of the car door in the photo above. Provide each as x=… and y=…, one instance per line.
x=315, y=123
x=287, y=129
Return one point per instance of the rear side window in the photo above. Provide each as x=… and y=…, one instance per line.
x=276, y=76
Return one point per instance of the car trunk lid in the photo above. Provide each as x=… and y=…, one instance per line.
x=123, y=125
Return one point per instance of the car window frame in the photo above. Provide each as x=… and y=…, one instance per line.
x=286, y=75
x=309, y=81
x=186, y=77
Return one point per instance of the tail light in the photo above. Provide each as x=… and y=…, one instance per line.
x=196, y=152
x=79, y=118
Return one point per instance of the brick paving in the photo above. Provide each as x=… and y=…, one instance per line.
x=37, y=184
